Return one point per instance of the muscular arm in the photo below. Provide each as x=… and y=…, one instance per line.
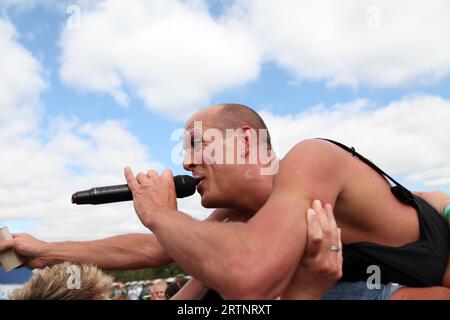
x=270, y=244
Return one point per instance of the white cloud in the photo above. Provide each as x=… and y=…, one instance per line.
x=173, y=55
x=20, y=85
x=356, y=42
x=38, y=178
x=41, y=166
x=407, y=138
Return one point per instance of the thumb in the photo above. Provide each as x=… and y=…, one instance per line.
x=6, y=245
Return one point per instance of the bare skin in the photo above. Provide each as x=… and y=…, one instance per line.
x=272, y=242
x=194, y=289
x=311, y=170
x=319, y=268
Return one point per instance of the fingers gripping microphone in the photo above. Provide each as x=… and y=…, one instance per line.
x=184, y=187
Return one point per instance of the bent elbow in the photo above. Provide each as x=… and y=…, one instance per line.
x=246, y=283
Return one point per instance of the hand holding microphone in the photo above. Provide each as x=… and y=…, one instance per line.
x=184, y=187
x=154, y=195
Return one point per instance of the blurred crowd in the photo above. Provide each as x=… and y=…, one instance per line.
x=158, y=289
x=58, y=283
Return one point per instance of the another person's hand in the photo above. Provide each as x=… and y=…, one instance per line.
x=321, y=264
x=29, y=248
x=152, y=193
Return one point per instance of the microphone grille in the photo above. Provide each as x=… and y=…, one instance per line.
x=184, y=185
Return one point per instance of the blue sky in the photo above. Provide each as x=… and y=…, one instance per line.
x=275, y=89
x=377, y=90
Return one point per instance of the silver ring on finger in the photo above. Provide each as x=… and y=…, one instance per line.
x=335, y=248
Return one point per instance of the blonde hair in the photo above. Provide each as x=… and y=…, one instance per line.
x=52, y=283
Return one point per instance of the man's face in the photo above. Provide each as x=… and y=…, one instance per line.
x=211, y=156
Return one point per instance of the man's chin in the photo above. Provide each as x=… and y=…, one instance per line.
x=207, y=202
x=210, y=202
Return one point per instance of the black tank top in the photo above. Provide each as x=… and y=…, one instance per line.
x=417, y=264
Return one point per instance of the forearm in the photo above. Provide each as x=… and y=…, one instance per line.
x=209, y=251
x=220, y=255
x=192, y=290
x=131, y=251
x=432, y=293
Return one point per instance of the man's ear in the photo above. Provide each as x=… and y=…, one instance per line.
x=247, y=137
x=240, y=142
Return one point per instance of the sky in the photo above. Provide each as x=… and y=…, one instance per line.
x=89, y=87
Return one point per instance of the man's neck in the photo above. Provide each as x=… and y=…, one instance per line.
x=257, y=190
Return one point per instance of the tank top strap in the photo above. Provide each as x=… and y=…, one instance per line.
x=398, y=190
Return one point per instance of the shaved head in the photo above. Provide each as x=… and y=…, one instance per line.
x=234, y=116
x=225, y=143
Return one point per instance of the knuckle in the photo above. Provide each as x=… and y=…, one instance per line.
x=317, y=262
x=323, y=268
x=326, y=231
x=336, y=275
x=316, y=240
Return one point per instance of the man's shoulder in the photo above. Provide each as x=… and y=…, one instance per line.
x=313, y=167
x=317, y=151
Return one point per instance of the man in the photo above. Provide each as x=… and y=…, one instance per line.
x=271, y=239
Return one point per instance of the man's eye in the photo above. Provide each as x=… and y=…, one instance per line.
x=196, y=143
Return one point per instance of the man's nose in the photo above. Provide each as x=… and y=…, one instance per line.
x=188, y=161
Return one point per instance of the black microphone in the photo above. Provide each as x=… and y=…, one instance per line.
x=184, y=187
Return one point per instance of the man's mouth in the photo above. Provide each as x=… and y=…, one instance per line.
x=199, y=178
